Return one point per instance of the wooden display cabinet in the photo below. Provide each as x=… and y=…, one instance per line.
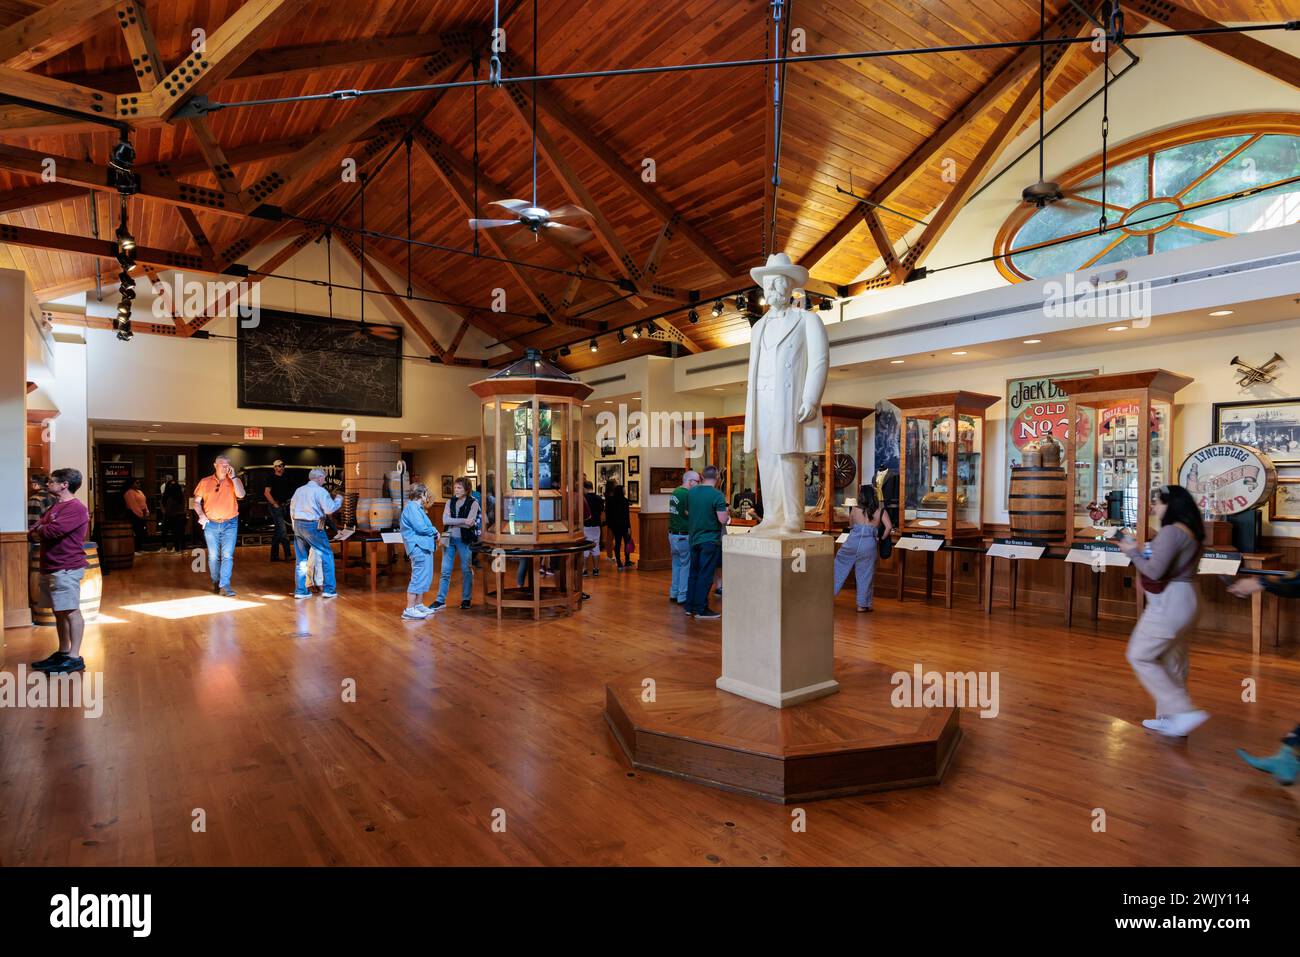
x=833, y=477
x=941, y=462
x=1112, y=461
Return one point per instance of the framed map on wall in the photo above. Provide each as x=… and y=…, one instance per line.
x=305, y=363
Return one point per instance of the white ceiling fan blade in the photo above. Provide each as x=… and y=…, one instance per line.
x=512, y=204
x=521, y=238
x=570, y=234
x=491, y=223
x=569, y=212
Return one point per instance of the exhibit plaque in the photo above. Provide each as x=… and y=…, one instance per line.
x=1022, y=549
x=1219, y=563
x=920, y=542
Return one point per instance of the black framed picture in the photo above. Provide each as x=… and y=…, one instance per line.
x=634, y=465
x=633, y=493
x=304, y=363
x=448, y=486
x=1270, y=425
x=607, y=469
x=607, y=450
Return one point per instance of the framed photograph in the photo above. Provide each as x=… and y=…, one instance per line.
x=1132, y=433
x=471, y=460
x=607, y=450
x=1285, y=506
x=1108, y=450
x=607, y=469
x=1270, y=425
x=448, y=486
x=633, y=493
x=664, y=481
x=634, y=465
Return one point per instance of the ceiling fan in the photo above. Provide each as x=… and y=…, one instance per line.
x=535, y=218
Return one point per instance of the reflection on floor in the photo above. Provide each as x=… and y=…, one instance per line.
x=332, y=732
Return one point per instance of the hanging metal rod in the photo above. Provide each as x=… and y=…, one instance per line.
x=200, y=105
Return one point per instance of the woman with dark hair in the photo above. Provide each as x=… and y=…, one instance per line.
x=619, y=520
x=859, y=552
x=1157, y=649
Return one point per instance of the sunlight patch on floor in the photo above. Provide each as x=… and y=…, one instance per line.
x=191, y=607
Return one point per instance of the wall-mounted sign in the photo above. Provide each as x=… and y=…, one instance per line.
x=252, y=433
x=1035, y=407
x=1226, y=478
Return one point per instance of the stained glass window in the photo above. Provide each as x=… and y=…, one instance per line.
x=1178, y=194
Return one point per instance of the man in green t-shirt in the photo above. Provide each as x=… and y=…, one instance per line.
x=706, y=513
x=679, y=536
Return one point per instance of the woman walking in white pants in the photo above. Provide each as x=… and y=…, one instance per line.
x=1157, y=649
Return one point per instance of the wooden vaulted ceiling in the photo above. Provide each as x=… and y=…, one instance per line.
x=886, y=125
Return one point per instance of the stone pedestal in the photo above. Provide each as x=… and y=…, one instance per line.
x=777, y=623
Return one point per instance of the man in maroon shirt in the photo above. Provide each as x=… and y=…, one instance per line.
x=61, y=532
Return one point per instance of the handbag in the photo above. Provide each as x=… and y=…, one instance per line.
x=1154, y=586
x=885, y=544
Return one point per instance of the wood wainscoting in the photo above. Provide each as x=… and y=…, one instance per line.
x=14, y=571
x=652, y=542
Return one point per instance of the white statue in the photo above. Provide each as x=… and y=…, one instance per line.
x=789, y=355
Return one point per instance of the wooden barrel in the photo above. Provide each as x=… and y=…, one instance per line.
x=92, y=587
x=118, y=540
x=399, y=485
x=349, y=510
x=366, y=466
x=1036, y=505
x=375, y=514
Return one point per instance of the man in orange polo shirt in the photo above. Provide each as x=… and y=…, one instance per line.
x=216, y=502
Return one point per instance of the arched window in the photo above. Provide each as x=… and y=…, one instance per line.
x=1155, y=188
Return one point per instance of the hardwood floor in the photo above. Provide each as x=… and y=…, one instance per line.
x=240, y=713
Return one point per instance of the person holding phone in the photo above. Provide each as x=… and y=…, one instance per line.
x=1157, y=650
x=216, y=503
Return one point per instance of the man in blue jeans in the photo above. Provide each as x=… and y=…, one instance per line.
x=216, y=503
x=309, y=506
x=706, y=514
x=679, y=536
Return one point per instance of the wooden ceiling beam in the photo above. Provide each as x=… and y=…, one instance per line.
x=94, y=176
x=102, y=248
x=1070, y=23
x=48, y=31
x=228, y=46
x=1241, y=47
x=367, y=265
x=597, y=148
x=198, y=234
x=35, y=88
x=27, y=197
x=146, y=63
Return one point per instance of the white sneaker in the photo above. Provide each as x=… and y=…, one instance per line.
x=1181, y=725
x=426, y=609
x=415, y=614
x=1157, y=723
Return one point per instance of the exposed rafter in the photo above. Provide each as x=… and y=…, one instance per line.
x=1256, y=54
x=49, y=31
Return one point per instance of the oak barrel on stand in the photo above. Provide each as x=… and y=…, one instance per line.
x=1036, y=504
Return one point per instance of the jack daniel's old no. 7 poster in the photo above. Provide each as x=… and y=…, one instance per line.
x=1035, y=405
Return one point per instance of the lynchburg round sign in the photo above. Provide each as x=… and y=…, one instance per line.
x=1226, y=478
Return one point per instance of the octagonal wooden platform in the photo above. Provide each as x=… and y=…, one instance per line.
x=846, y=743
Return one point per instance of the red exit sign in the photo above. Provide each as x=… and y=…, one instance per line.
x=253, y=434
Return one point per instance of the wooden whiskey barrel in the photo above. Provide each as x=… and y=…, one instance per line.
x=375, y=514
x=366, y=466
x=1036, y=504
x=118, y=545
x=92, y=587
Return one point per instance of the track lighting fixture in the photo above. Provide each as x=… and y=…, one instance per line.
x=622, y=338
x=740, y=302
x=564, y=351
x=824, y=305
x=693, y=316
x=717, y=308
x=121, y=166
x=593, y=346
x=636, y=332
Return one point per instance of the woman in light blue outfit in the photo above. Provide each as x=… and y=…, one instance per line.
x=461, y=517
x=858, y=554
x=421, y=539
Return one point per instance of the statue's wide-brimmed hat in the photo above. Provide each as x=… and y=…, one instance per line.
x=779, y=264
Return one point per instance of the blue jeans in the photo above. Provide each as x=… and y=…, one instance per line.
x=421, y=571
x=858, y=554
x=308, y=538
x=222, y=537
x=680, y=546
x=704, y=562
x=280, y=538
x=453, y=548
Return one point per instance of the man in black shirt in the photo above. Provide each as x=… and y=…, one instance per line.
x=278, y=491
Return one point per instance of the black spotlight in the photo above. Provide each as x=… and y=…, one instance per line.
x=636, y=332
x=717, y=308
x=121, y=167
x=622, y=339
x=740, y=302
x=126, y=286
x=564, y=350
x=593, y=345
x=693, y=316
x=825, y=305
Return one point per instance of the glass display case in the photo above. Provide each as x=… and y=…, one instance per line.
x=742, y=473
x=531, y=454
x=941, y=462
x=831, y=479
x=707, y=452
x=1116, y=464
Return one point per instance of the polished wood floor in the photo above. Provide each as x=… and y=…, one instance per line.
x=235, y=707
